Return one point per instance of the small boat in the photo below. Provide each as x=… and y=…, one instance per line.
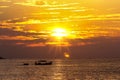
x=25, y=63
x=43, y=62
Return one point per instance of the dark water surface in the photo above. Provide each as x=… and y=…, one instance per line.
x=61, y=69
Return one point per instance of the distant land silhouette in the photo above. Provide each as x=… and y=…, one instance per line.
x=2, y=58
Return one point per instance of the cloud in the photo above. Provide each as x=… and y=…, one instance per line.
x=34, y=3
x=40, y=17
x=15, y=20
x=3, y=7
x=40, y=3
x=103, y=47
x=16, y=38
x=40, y=44
x=36, y=39
x=44, y=10
x=110, y=17
x=5, y=0
x=1, y=12
x=113, y=17
x=36, y=28
x=9, y=34
x=5, y=4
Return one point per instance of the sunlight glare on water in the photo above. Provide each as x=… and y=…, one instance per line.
x=62, y=69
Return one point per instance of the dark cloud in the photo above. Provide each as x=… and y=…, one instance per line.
x=103, y=48
x=2, y=24
x=17, y=20
x=10, y=32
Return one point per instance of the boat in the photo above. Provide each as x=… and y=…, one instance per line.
x=25, y=63
x=43, y=62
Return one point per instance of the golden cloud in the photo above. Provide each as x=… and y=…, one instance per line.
x=35, y=45
x=16, y=38
x=5, y=0
x=4, y=6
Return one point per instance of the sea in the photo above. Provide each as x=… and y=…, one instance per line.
x=61, y=69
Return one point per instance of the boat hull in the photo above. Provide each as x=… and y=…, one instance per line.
x=43, y=63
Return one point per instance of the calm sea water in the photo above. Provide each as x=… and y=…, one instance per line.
x=62, y=69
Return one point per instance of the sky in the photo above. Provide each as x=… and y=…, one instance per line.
x=59, y=29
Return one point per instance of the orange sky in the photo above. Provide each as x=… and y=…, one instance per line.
x=88, y=18
x=36, y=20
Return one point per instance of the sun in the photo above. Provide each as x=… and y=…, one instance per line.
x=59, y=33
x=66, y=55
